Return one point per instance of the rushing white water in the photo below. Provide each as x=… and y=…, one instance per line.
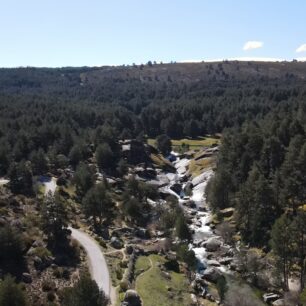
x=202, y=219
x=4, y=181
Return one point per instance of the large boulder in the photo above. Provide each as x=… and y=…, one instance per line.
x=270, y=297
x=105, y=233
x=226, y=260
x=227, y=212
x=116, y=243
x=279, y=302
x=212, y=244
x=213, y=262
x=132, y=298
x=212, y=274
x=26, y=278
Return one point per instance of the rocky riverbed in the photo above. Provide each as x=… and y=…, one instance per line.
x=213, y=255
x=211, y=252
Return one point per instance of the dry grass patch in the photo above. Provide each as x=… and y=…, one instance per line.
x=159, y=160
x=196, y=167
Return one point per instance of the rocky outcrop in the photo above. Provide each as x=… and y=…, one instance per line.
x=212, y=244
x=131, y=298
x=212, y=274
x=270, y=297
x=26, y=278
x=116, y=243
x=279, y=302
x=227, y=212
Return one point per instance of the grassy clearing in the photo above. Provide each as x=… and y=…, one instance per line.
x=142, y=264
x=155, y=288
x=192, y=143
x=196, y=167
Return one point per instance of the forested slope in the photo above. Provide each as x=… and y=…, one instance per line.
x=53, y=119
x=41, y=107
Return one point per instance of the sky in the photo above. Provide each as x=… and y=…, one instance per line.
x=54, y=33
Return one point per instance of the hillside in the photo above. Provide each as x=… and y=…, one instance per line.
x=107, y=133
x=212, y=74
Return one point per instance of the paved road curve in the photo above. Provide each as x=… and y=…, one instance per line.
x=97, y=264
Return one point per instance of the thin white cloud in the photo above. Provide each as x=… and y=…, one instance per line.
x=301, y=48
x=250, y=45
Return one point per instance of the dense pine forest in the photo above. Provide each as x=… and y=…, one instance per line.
x=55, y=109
x=54, y=118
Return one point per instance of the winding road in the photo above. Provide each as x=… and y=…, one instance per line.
x=97, y=263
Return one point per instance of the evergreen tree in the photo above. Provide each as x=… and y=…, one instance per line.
x=11, y=294
x=84, y=293
x=54, y=219
x=4, y=159
x=98, y=204
x=12, y=249
x=75, y=155
x=181, y=228
x=21, y=178
x=83, y=179
x=281, y=242
x=39, y=162
x=218, y=190
x=299, y=237
x=163, y=144
x=104, y=156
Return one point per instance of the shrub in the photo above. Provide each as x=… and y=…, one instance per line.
x=48, y=285
x=58, y=272
x=119, y=273
x=124, y=286
x=51, y=296
x=42, y=252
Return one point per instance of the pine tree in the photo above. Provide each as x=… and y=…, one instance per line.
x=54, y=219
x=281, y=242
x=163, y=144
x=75, y=155
x=98, y=204
x=11, y=294
x=299, y=237
x=84, y=293
x=83, y=179
x=181, y=228
x=104, y=156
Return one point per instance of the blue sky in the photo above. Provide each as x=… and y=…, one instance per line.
x=98, y=32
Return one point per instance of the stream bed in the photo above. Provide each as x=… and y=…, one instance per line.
x=209, y=248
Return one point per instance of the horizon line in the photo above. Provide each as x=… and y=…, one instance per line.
x=188, y=61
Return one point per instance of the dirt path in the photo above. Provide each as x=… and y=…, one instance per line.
x=151, y=267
